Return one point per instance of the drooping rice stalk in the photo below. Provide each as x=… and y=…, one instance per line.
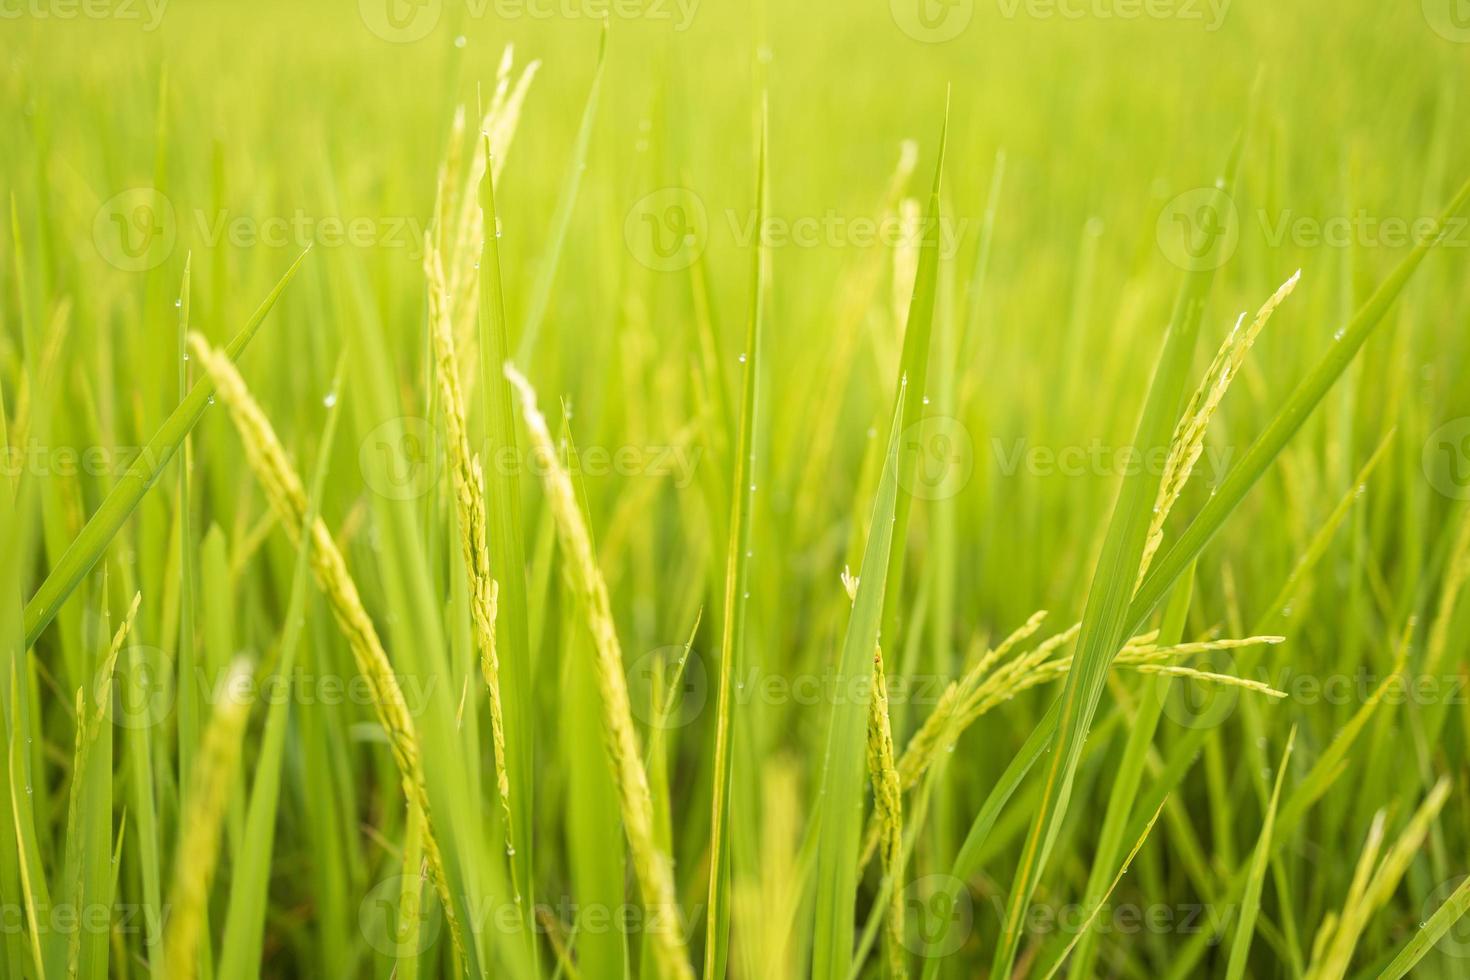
x=888, y=811
x=1188, y=442
x=469, y=504
x=215, y=770
x=288, y=498
x=650, y=866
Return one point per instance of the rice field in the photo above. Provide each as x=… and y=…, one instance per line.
x=669, y=489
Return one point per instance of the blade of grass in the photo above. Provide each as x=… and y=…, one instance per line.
x=737, y=575
x=507, y=540
x=1097, y=907
x=838, y=812
x=650, y=866
x=125, y=495
x=1104, y=619
x=1250, y=906
x=914, y=367
x=240, y=948
x=561, y=218
x=967, y=861
x=1130, y=769
x=202, y=823
x=1429, y=933
x=288, y=498
x=1307, y=396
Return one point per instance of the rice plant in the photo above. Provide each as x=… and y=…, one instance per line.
x=664, y=489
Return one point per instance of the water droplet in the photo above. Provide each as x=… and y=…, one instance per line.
x=1339, y=335
x=330, y=400
x=460, y=41
x=510, y=851
x=178, y=303
x=742, y=358
x=186, y=355
x=211, y=399
x=926, y=399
